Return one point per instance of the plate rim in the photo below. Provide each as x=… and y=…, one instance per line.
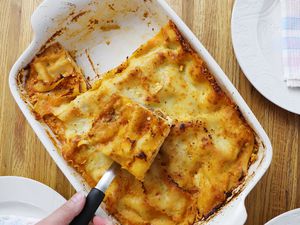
x=244, y=67
x=24, y=182
x=277, y=218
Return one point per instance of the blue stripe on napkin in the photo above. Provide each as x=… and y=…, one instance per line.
x=291, y=23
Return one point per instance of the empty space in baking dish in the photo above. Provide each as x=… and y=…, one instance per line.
x=101, y=34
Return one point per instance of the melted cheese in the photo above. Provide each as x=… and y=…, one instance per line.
x=126, y=200
x=164, y=195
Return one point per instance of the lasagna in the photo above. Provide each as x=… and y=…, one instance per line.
x=54, y=80
x=103, y=121
x=204, y=157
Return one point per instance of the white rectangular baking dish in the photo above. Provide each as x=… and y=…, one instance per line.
x=121, y=27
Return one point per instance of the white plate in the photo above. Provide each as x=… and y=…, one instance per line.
x=27, y=198
x=288, y=218
x=256, y=36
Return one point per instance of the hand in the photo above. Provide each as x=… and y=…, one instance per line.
x=67, y=212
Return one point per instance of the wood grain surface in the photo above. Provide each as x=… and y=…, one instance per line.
x=22, y=154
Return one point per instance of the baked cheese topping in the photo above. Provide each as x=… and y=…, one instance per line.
x=204, y=158
x=113, y=125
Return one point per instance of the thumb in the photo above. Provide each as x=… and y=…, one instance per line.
x=67, y=212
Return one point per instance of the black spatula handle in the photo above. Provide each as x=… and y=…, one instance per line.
x=93, y=201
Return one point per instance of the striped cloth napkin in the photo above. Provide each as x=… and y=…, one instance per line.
x=291, y=41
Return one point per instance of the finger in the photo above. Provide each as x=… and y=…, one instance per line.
x=101, y=221
x=67, y=212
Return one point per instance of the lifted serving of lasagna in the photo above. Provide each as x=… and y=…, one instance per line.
x=103, y=122
x=125, y=116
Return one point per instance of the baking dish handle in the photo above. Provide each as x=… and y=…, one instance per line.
x=235, y=214
x=50, y=15
x=241, y=214
x=44, y=15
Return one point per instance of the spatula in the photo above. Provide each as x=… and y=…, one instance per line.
x=96, y=196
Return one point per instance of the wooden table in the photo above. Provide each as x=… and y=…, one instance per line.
x=22, y=154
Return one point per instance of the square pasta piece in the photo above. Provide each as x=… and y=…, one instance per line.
x=52, y=79
x=114, y=125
